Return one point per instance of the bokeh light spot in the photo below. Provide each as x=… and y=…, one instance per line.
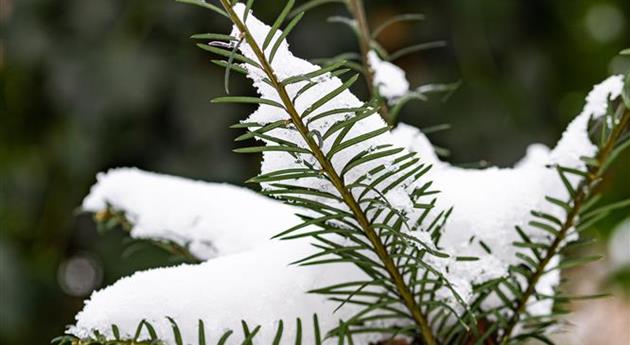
x=604, y=22
x=619, y=245
x=79, y=275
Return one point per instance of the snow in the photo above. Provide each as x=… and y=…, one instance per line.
x=597, y=99
x=575, y=141
x=210, y=225
x=256, y=286
x=388, y=78
x=250, y=279
x=488, y=203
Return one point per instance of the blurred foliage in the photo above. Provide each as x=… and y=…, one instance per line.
x=87, y=85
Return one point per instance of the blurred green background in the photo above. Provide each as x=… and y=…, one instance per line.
x=88, y=85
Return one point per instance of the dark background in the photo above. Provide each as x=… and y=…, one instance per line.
x=87, y=85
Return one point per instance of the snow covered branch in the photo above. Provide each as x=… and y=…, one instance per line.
x=386, y=239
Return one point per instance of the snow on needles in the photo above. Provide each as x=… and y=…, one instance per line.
x=489, y=203
x=320, y=118
x=388, y=78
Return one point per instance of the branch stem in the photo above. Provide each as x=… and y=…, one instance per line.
x=357, y=9
x=378, y=246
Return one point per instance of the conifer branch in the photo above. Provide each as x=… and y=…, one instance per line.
x=379, y=248
x=580, y=198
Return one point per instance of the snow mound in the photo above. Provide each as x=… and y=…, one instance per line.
x=388, y=78
x=205, y=217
